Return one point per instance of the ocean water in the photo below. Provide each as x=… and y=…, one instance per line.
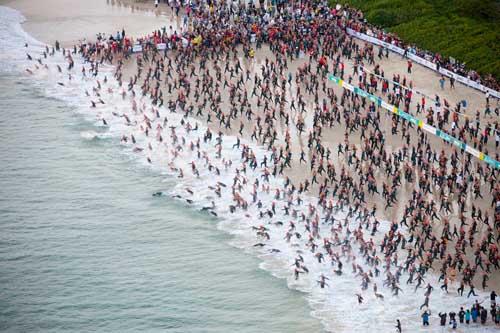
x=85, y=246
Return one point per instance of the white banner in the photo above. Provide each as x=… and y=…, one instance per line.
x=137, y=48
x=472, y=151
x=348, y=86
x=386, y=105
x=429, y=128
x=424, y=62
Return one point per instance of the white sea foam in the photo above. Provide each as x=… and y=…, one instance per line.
x=92, y=135
x=336, y=306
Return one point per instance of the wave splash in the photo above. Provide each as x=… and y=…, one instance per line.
x=211, y=173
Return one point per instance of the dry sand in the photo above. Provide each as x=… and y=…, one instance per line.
x=424, y=80
x=69, y=21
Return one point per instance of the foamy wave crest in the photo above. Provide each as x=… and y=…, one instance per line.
x=13, y=40
x=174, y=145
x=92, y=135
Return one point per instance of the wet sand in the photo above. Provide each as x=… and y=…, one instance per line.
x=424, y=80
x=70, y=21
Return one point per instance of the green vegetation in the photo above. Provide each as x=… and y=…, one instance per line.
x=468, y=30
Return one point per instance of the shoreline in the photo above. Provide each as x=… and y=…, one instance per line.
x=334, y=137
x=72, y=21
x=393, y=65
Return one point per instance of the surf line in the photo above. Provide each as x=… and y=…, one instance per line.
x=418, y=122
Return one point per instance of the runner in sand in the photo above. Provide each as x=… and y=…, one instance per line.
x=442, y=204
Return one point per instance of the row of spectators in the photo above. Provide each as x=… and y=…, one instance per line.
x=356, y=21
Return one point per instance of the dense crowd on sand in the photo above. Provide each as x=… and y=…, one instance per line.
x=353, y=18
x=297, y=30
x=449, y=220
x=280, y=30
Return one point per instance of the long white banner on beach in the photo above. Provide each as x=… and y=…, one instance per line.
x=418, y=122
x=424, y=62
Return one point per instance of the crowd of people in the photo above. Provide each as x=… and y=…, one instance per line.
x=442, y=204
x=357, y=22
x=353, y=18
x=294, y=31
x=476, y=313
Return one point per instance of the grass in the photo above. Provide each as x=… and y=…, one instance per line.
x=467, y=30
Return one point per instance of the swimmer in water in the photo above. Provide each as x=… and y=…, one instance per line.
x=289, y=125
x=322, y=281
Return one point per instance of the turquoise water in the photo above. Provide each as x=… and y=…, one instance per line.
x=85, y=247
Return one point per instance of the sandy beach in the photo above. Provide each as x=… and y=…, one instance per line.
x=70, y=21
x=424, y=80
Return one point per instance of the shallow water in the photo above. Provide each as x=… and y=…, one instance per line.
x=84, y=245
x=70, y=21
x=97, y=251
